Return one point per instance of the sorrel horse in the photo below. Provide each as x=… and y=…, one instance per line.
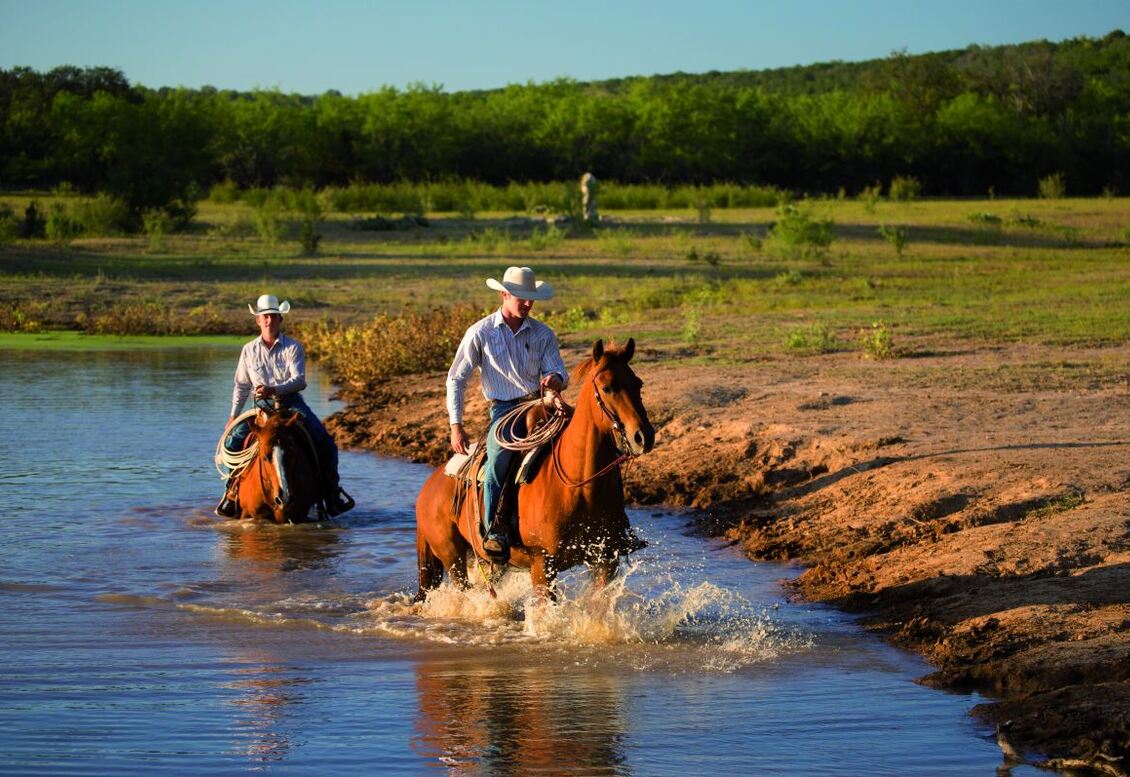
x=572, y=510
x=281, y=482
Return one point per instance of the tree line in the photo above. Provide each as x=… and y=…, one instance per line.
x=963, y=123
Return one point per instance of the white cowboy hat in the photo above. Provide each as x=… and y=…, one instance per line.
x=269, y=303
x=519, y=281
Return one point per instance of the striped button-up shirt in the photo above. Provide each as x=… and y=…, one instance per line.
x=511, y=364
x=283, y=365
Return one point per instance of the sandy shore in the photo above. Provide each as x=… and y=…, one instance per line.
x=972, y=503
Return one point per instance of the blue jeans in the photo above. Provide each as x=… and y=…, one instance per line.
x=323, y=443
x=498, y=458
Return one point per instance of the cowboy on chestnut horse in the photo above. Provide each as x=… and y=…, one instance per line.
x=272, y=367
x=517, y=358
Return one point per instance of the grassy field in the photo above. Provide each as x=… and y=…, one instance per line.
x=722, y=286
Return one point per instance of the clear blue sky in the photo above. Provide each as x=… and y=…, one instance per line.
x=356, y=46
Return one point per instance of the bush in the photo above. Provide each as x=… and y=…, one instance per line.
x=798, y=233
x=61, y=227
x=904, y=188
x=1052, y=187
x=818, y=338
x=389, y=345
x=105, y=215
x=156, y=223
x=34, y=225
x=22, y=317
x=877, y=342
x=896, y=236
x=870, y=197
x=224, y=192
x=550, y=237
x=269, y=222
x=9, y=224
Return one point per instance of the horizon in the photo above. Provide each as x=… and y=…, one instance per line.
x=256, y=48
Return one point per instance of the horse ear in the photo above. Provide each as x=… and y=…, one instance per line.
x=260, y=418
x=629, y=349
x=597, y=350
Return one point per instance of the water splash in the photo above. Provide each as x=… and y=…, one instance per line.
x=663, y=619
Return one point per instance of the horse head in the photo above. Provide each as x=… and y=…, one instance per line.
x=616, y=392
x=274, y=441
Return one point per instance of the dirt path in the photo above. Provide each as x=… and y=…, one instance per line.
x=973, y=504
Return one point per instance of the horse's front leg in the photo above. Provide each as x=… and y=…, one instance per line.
x=543, y=573
x=602, y=571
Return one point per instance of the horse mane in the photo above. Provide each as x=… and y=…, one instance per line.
x=585, y=368
x=274, y=424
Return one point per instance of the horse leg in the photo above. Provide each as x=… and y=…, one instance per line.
x=430, y=568
x=543, y=572
x=602, y=571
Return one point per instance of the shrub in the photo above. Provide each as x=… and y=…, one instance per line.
x=692, y=324
x=798, y=233
x=870, y=196
x=619, y=242
x=896, y=236
x=61, y=227
x=1052, y=187
x=877, y=342
x=389, y=345
x=9, y=224
x=550, y=237
x=156, y=223
x=904, y=188
x=268, y=222
x=22, y=317
x=818, y=338
x=568, y=320
x=224, y=192
x=311, y=210
x=104, y=215
x=34, y=225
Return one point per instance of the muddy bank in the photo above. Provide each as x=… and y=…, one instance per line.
x=972, y=504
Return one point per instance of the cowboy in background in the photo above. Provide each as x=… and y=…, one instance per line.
x=517, y=356
x=272, y=367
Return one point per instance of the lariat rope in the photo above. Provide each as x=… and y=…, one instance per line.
x=546, y=431
x=230, y=464
x=234, y=462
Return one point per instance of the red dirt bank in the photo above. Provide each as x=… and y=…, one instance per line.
x=973, y=505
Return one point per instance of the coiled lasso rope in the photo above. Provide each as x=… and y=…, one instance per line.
x=235, y=462
x=545, y=431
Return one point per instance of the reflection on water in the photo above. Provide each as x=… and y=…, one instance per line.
x=269, y=695
x=144, y=636
x=268, y=551
x=479, y=719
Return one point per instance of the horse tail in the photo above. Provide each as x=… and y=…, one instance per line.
x=430, y=567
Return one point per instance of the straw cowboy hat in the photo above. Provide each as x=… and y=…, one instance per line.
x=269, y=303
x=519, y=281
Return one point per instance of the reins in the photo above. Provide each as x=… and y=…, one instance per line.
x=547, y=431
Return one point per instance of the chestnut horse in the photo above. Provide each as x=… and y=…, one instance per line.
x=281, y=482
x=572, y=510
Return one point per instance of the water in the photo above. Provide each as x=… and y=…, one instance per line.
x=143, y=635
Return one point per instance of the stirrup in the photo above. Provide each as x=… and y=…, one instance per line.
x=339, y=502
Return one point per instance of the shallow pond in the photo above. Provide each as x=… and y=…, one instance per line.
x=143, y=635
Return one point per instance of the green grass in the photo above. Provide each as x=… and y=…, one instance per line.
x=1051, y=271
x=78, y=341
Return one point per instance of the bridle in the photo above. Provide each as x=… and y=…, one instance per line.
x=622, y=444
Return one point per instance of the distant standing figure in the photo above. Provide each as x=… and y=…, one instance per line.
x=589, y=187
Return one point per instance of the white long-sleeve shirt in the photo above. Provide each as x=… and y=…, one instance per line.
x=282, y=365
x=511, y=364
